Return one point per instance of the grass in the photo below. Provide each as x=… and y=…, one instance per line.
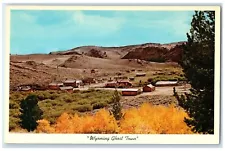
x=54, y=103
x=166, y=74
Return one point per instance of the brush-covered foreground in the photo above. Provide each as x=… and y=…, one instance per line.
x=54, y=103
x=148, y=119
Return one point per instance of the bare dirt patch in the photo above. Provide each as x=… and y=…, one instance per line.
x=153, y=99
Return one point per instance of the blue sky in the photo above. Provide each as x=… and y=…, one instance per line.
x=34, y=31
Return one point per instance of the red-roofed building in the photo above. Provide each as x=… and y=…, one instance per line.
x=148, y=88
x=55, y=86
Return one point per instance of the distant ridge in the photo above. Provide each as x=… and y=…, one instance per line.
x=146, y=51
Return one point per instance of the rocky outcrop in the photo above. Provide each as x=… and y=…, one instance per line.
x=160, y=53
x=155, y=52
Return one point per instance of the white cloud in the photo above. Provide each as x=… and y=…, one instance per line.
x=78, y=17
x=96, y=24
x=77, y=23
x=26, y=17
x=177, y=23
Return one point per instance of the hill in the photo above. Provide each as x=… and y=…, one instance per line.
x=41, y=69
x=156, y=53
x=148, y=51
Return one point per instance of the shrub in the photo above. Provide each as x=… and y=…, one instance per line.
x=54, y=103
x=83, y=108
x=147, y=119
x=57, y=113
x=46, y=103
x=99, y=105
x=110, y=101
x=65, y=98
x=82, y=102
x=42, y=95
x=93, y=101
x=17, y=96
x=54, y=96
x=13, y=105
x=14, y=113
x=68, y=100
x=13, y=123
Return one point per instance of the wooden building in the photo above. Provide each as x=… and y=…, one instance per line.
x=67, y=89
x=111, y=85
x=148, y=88
x=131, y=78
x=120, y=77
x=55, y=86
x=70, y=82
x=38, y=87
x=124, y=84
x=130, y=92
x=140, y=74
x=166, y=83
x=88, y=80
x=25, y=88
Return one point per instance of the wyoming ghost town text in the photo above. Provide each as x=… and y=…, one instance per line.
x=112, y=138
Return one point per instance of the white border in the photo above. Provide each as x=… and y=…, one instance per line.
x=82, y=138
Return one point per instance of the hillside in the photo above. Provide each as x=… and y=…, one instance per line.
x=77, y=63
x=158, y=53
x=147, y=51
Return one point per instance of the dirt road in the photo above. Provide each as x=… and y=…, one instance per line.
x=161, y=95
x=158, y=91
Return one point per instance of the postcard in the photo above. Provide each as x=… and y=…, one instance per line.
x=112, y=74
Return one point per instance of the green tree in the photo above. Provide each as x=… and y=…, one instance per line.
x=117, y=107
x=30, y=113
x=198, y=65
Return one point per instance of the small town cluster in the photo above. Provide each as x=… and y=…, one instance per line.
x=123, y=84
